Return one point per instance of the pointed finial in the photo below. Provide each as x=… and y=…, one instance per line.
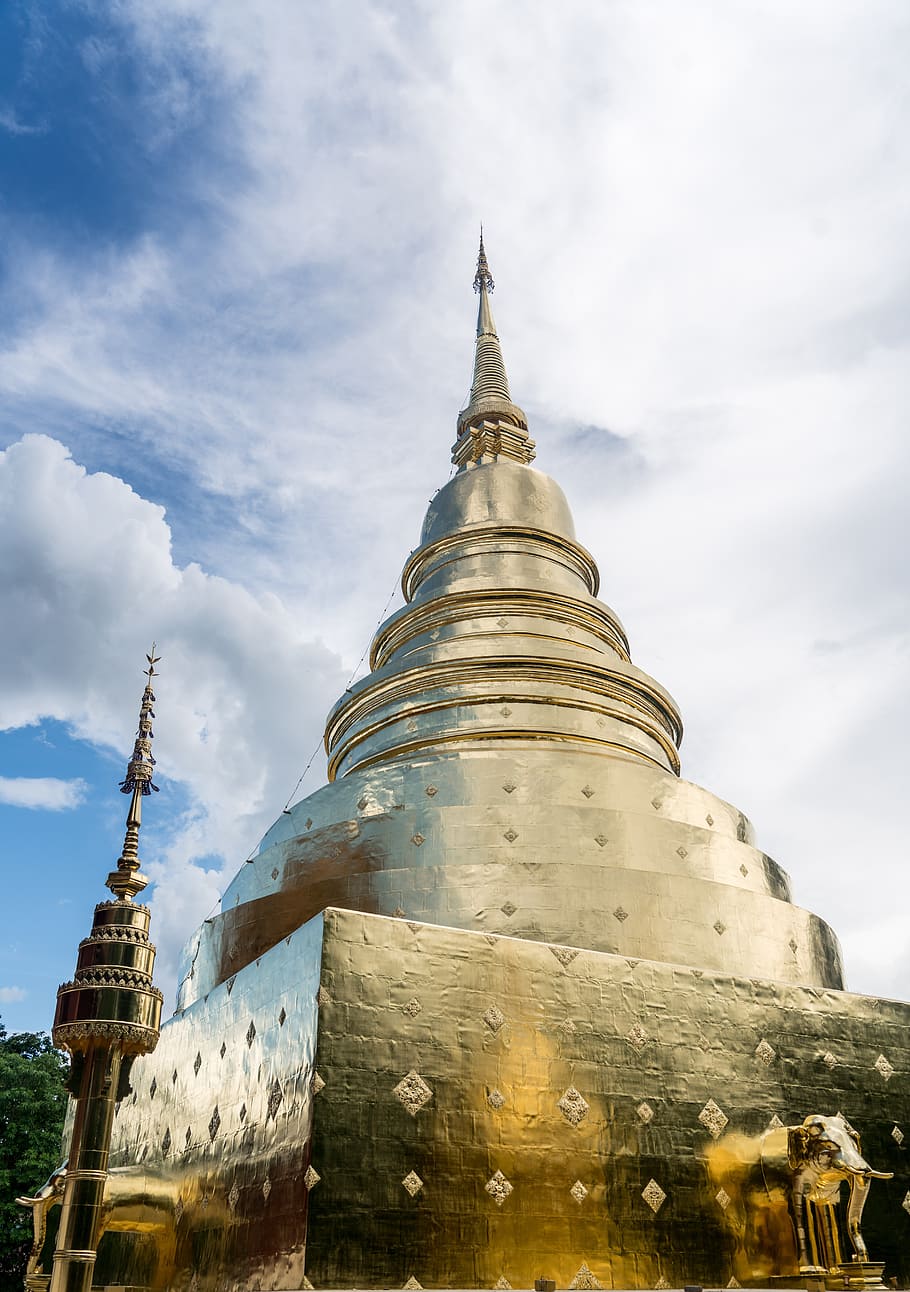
x=483, y=278
x=126, y=881
x=491, y=426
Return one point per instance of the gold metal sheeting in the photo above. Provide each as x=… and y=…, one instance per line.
x=438, y=1096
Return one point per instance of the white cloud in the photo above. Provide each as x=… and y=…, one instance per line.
x=242, y=694
x=696, y=217
x=9, y=995
x=46, y=793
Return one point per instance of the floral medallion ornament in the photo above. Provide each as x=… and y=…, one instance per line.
x=585, y=1280
x=637, y=1037
x=494, y=1018
x=578, y=1191
x=502, y=1284
x=883, y=1068
x=654, y=1196
x=496, y=1099
x=897, y=1135
x=498, y=1188
x=645, y=1112
x=413, y=1092
x=413, y=1183
x=713, y=1119
x=765, y=1053
x=722, y=1198
x=573, y=1106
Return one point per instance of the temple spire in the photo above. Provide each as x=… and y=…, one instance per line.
x=126, y=881
x=491, y=426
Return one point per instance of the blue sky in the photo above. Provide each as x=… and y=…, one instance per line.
x=236, y=251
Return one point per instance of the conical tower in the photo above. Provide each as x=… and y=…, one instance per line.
x=107, y=1016
x=508, y=997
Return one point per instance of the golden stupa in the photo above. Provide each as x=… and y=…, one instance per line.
x=508, y=999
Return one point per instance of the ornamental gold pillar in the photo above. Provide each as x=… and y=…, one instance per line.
x=105, y=1017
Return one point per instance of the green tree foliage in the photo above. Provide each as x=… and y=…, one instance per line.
x=32, y=1107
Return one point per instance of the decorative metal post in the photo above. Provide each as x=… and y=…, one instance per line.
x=105, y=1017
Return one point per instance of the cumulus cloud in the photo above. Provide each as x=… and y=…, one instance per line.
x=47, y=793
x=696, y=218
x=10, y=995
x=87, y=582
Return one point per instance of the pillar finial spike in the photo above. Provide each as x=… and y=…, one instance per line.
x=126, y=881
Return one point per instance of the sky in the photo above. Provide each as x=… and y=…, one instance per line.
x=236, y=252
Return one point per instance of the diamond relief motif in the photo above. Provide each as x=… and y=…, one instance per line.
x=399, y=913
x=317, y=1083
x=496, y=1099
x=494, y=1018
x=654, y=1195
x=412, y=1285
x=274, y=1100
x=793, y=945
x=829, y=1060
x=323, y=996
x=166, y=1141
x=311, y=1177
x=275, y=872
x=250, y=1034
x=637, y=1037
x=223, y=1050
x=765, y=1053
x=565, y=955
x=242, y=1113
x=412, y=1008
x=723, y=1199
x=775, y=1123
x=411, y=725
x=744, y=870
x=178, y=1210
x=897, y=1135
x=573, y=1106
x=511, y=835
x=906, y=1203
x=413, y=1092
x=308, y=822
x=656, y=804
x=502, y=621
x=197, y=1063
x=508, y=909
x=431, y=791
x=506, y=711
x=883, y=1067
x=413, y=1183
x=621, y=914
x=510, y=787
x=710, y=819
x=601, y=840
x=645, y=1112
x=713, y=1118
x=682, y=852
x=282, y=1017
x=214, y=1123
x=585, y=1280
x=233, y=1196
x=720, y=928
x=502, y=1284
x=266, y=1188
x=587, y=791
x=417, y=839
x=578, y=1191
x=498, y=1188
